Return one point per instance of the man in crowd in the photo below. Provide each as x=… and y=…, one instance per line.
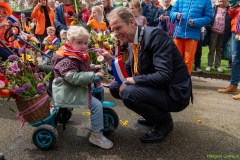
x=158, y=81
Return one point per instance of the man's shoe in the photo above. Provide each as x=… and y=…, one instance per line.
x=143, y=121
x=2, y=156
x=229, y=89
x=158, y=133
x=237, y=97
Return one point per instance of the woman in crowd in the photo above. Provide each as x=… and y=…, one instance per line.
x=107, y=8
x=220, y=32
x=44, y=16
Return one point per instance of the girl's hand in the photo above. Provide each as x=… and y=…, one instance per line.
x=98, y=67
x=165, y=17
x=100, y=74
x=39, y=5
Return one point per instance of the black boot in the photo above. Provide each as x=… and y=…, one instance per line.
x=2, y=156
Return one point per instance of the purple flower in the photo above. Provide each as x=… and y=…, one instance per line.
x=14, y=68
x=19, y=90
x=12, y=57
x=26, y=86
x=80, y=16
x=41, y=89
x=20, y=50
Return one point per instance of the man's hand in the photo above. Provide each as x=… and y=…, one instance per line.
x=191, y=22
x=107, y=56
x=179, y=15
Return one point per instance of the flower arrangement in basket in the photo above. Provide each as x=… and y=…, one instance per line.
x=20, y=81
x=29, y=38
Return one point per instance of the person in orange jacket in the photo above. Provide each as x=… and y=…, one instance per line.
x=45, y=18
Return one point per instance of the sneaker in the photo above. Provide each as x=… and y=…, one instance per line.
x=229, y=89
x=2, y=156
x=219, y=69
x=208, y=69
x=198, y=69
x=100, y=140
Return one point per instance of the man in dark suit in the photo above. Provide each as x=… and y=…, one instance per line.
x=158, y=81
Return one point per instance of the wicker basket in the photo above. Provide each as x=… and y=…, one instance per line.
x=39, y=114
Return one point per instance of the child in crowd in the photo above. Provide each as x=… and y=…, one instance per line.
x=51, y=43
x=63, y=36
x=97, y=19
x=73, y=77
x=136, y=9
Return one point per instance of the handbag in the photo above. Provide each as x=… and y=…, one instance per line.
x=227, y=51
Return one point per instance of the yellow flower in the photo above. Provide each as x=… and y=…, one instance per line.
x=73, y=23
x=50, y=47
x=99, y=39
x=96, y=45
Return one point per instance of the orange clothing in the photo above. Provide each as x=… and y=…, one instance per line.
x=187, y=48
x=158, y=4
x=96, y=25
x=234, y=16
x=2, y=33
x=40, y=17
x=66, y=9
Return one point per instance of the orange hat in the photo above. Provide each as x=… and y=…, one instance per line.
x=7, y=7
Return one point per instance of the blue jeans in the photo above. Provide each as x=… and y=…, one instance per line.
x=97, y=112
x=235, y=70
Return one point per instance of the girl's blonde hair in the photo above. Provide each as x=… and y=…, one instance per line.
x=99, y=11
x=51, y=29
x=136, y=4
x=77, y=32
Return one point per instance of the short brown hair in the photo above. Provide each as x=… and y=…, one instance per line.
x=51, y=28
x=122, y=12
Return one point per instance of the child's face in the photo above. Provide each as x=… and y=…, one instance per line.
x=3, y=13
x=51, y=33
x=80, y=44
x=134, y=10
x=95, y=15
x=63, y=36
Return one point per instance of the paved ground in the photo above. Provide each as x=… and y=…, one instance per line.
x=216, y=137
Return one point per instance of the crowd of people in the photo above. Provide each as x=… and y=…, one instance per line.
x=164, y=40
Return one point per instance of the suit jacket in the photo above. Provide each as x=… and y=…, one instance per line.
x=161, y=65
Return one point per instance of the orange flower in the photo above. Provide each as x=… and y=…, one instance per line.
x=5, y=92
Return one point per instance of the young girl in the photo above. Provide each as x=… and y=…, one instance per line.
x=97, y=19
x=136, y=9
x=73, y=77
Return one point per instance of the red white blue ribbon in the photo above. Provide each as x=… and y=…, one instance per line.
x=116, y=51
x=47, y=51
x=55, y=41
x=118, y=70
x=14, y=17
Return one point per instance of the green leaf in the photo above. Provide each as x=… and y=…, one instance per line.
x=46, y=78
x=10, y=109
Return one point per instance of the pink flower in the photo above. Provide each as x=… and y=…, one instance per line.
x=39, y=85
x=14, y=68
x=35, y=75
x=2, y=84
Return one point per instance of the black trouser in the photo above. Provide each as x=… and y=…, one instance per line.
x=153, y=104
x=198, y=55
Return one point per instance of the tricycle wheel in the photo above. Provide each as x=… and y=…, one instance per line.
x=45, y=137
x=110, y=119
